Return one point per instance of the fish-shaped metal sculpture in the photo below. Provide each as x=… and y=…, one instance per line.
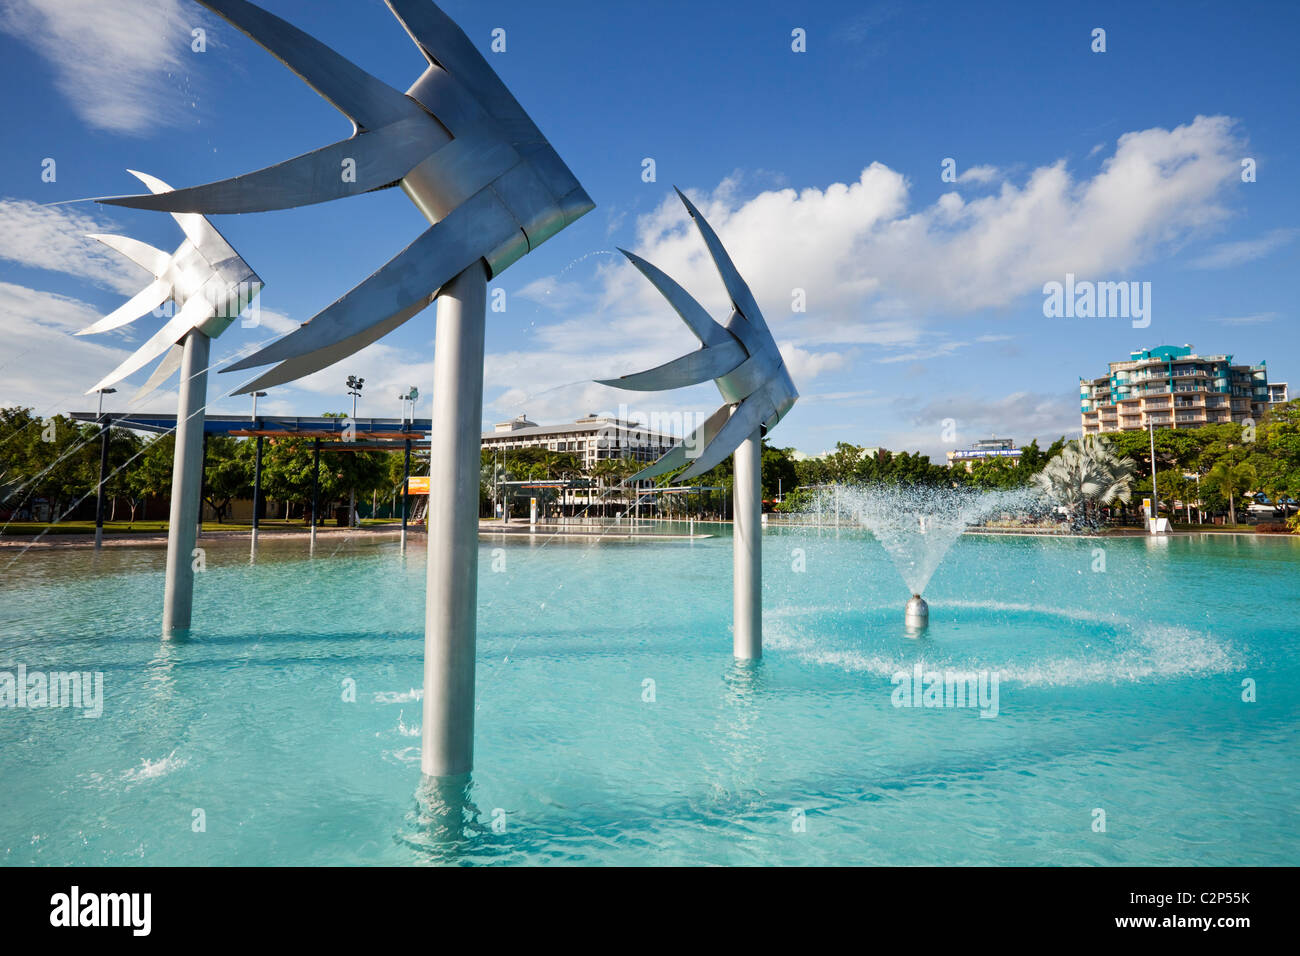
x=205, y=278
x=457, y=142
x=741, y=357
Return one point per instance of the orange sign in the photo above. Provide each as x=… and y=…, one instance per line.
x=417, y=485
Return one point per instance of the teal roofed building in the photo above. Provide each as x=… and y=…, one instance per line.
x=1170, y=386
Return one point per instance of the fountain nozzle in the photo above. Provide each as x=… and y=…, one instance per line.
x=917, y=613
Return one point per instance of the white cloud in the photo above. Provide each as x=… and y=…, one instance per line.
x=876, y=274
x=980, y=174
x=112, y=61
x=54, y=238
x=1256, y=318
x=1229, y=254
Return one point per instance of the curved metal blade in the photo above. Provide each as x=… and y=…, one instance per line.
x=366, y=100
x=196, y=311
x=746, y=417
x=211, y=244
x=312, y=362
x=680, y=454
x=165, y=370
x=737, y=288
x=413, y=276
x=141, y=304
x=693, y=314
x=692, y=368
x=141, y=253
x=381, y=158
x=444, y=44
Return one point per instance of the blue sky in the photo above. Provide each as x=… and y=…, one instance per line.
x=820, y=170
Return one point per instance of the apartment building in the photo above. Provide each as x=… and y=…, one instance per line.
x=1172, y=387
x=591, y=439
x=1277, y=393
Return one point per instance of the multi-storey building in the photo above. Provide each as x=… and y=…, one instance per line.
x=984, y=448
x=591, y=439
x=1172, y=387
x=1277, y=394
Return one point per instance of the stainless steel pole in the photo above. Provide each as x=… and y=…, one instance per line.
x=451, y=600
x=104, y=426
x=187, y=478
x=747, y=557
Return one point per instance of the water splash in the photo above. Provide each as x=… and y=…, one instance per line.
x=917, y=526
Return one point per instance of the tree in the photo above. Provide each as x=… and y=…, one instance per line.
x=1086, y=474
x=1231, y=479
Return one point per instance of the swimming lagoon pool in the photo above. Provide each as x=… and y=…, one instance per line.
x=613, y=726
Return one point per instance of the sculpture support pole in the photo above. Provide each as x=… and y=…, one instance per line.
x=747, y=574
x=451, y=600
x=187, y=478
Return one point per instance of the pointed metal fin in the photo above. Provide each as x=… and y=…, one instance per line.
x=141, y=253
x=692, y=368
x=693, y=314
x=737, y=288
x=211, y=244
x=304, y=365
x=447, y=248
x=746, y=417
x=381, y=158
x=165, y=370
x=366, y=100
x=141, y=304
x=445, y=44
x=192, y=315
x=679, y=454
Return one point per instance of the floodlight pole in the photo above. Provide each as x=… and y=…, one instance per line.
x=451, y=601
x=406, y=484
x=187, y=479
x=105, y=424
x=747, y=556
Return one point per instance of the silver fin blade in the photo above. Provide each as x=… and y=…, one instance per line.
x=746, y=417
x=445, y=44
x=679, y=455
x=195, y=312
x=693, y=314
x=141, y=253
x=141, y=304
x=692, y=368
x=381, y=158
x=366, y=100
x=737, y=288
x=211, y=244
x=166, y=369
x=447, y=248
x=304, y=365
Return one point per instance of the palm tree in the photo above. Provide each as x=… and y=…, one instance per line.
x=1231, y=480
x=1087, y=473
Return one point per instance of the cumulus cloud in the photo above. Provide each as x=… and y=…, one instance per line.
x=54, y=238
x=111, y=60
x=877, y=274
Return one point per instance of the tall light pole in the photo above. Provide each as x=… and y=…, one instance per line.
x=257, y=469
x=103, y=466
x=354, y=389
x=1155, y=498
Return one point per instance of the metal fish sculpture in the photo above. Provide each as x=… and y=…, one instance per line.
x=458, y=144
x=741, y=357
x=205, y=278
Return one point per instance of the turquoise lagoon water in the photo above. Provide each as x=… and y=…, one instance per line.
x=1119, y=690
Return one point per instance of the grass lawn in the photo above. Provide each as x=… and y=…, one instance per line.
x=153, y=527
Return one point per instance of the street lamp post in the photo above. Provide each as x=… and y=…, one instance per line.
x=104, y=427
x=257, y=470
x=354, y=389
